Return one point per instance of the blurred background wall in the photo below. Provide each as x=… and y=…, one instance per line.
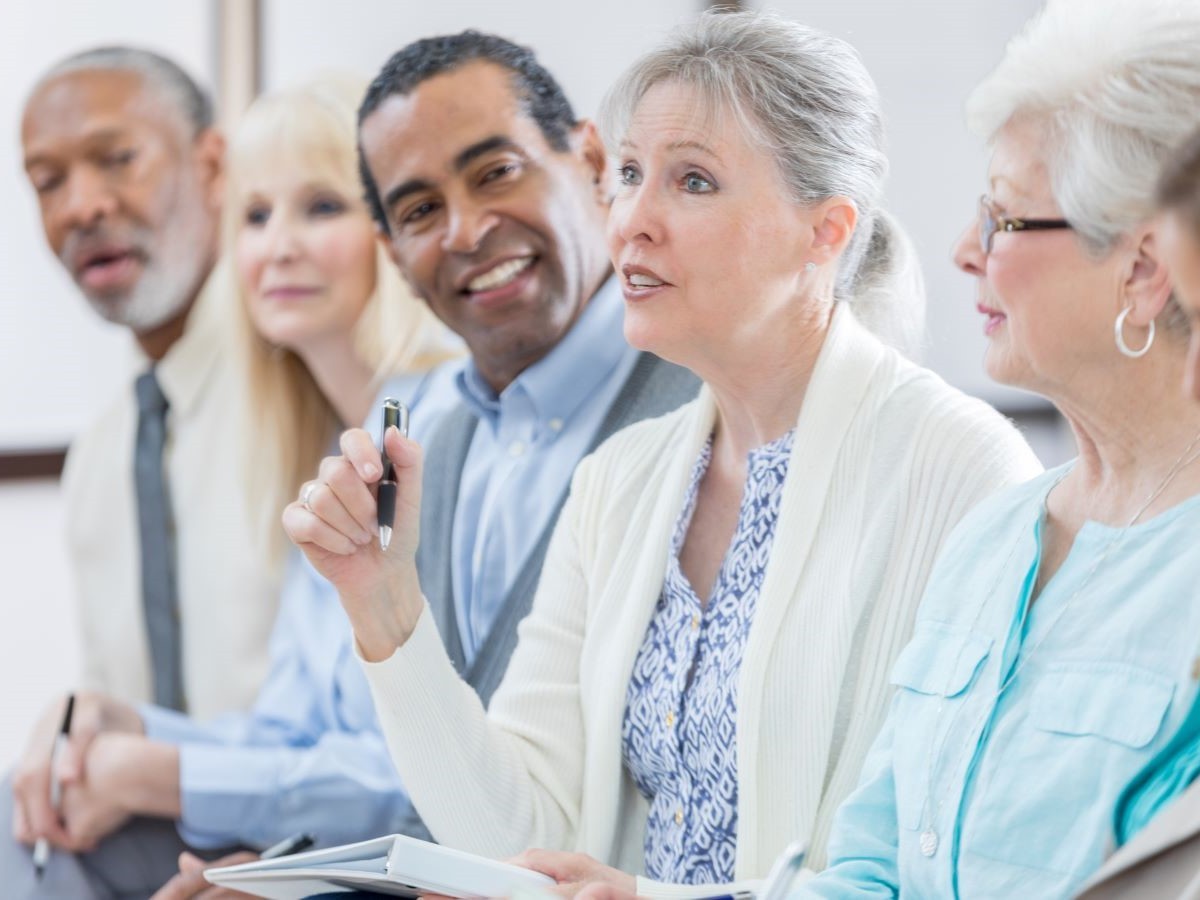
x=58, y=361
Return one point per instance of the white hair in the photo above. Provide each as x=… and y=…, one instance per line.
x=807, y=97
x=1117, y=84
x=179, y=91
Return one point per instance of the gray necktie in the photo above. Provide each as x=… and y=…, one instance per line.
x=160, y=593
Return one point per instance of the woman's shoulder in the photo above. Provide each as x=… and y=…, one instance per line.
x=637, y=456
x=1014, y=507
x=931, y=448
x=983, y=540
x=916, y=401
x=638, y=443
x=909, y=387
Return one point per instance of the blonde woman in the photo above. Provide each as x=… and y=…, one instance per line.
x=324, y=318
x=324, y=315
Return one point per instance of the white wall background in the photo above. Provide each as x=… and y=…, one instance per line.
x=57, y=361
x=585, y=45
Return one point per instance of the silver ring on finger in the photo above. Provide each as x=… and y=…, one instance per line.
x=306, y=495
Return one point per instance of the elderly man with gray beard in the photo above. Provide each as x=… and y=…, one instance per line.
x=175, y=598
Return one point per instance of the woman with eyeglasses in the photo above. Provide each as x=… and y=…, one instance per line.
x=1054, y=654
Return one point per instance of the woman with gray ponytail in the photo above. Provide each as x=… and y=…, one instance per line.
x=806, y=101
x=705, y=663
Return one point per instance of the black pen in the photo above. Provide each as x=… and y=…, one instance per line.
x=41, y=850
x=297, y=843
x=394, y=413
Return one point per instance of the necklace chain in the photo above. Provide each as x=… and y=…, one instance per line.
x=929, y=838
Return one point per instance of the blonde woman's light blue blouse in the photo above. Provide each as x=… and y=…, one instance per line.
x=1024, y=779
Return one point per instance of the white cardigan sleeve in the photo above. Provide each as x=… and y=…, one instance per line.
x=498, y=782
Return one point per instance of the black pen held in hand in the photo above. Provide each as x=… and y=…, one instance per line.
x=394, y=413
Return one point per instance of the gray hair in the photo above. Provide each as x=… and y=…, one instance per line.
x=167, y=79
x=1178, y=188
x=807, y=97
x=1117, y=85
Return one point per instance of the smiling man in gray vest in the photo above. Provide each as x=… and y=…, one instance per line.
x=498, y=224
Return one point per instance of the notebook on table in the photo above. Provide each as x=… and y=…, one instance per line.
x=396, y=865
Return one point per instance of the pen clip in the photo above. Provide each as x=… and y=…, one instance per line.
x=70, y=711
x=395, y=413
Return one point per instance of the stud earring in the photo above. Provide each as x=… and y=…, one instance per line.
x=810, y=266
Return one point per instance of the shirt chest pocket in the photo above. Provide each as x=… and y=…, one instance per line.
x=934, y=674
x=1120, y=703
x=1053, y=775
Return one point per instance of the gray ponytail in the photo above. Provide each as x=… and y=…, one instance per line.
x=888, y=292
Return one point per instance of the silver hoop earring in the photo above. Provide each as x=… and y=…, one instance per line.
x=810, y=266
x=1119, y=334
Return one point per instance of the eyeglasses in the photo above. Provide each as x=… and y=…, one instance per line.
x=990, y=221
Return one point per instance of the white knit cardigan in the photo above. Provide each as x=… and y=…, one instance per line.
x=886, y=459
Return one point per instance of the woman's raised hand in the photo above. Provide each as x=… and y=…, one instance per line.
x=334, y=522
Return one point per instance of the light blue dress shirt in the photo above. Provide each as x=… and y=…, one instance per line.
x=309, y=755
x=1024, y=780
x=523, y=453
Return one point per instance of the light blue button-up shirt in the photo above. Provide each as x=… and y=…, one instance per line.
x=309, y=756
x=1019, y=784
x=523, y=453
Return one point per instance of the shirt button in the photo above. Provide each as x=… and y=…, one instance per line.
x=670, y=719
x=695, y=621
x=679, y=817
x=555, y=424
x=516, y=448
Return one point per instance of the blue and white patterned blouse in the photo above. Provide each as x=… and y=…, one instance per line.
x=679, y=732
